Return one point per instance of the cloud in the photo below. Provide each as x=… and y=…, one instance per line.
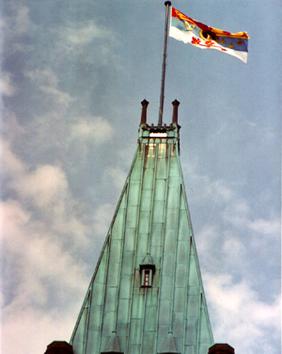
x=10, y=127
x=56, y=139
x=39, y=253
x=46, y=185
x=216, y=190
x=207, y=237
x=267, y=227
x=117, y=177
x=232, y=238
x=42, y=235
x=240, y=317
x=227, y=241
x=7, y=88
x=48, y=326
x=102, y=218
x=15, y=23
x=47, y=82
x=233, y=248
x=91, y=129
x=12, y=165
x=233, y=208
x=84, y=33
x=18, y=21
x=45, y=189
x=239, y=214
x=14, y=217
x=85, y=40
x=21, y=18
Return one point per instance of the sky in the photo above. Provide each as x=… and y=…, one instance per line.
x=73, y=74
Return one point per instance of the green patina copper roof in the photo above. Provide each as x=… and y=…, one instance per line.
x=113, y=346
x=151, y=224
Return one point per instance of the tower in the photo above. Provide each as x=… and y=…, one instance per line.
x=146, y=294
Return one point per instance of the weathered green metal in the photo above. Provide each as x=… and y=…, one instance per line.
x=151, y=218
x=113, y=345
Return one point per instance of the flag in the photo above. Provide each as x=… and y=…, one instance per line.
x=188, y=30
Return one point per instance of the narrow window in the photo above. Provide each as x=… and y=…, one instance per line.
x=146, y=278
x=147, y=269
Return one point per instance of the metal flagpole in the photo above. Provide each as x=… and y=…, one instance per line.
x=167, y=8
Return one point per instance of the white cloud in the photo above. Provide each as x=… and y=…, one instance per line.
x=241, y=318
x=91, y=129
x=83, y=33
x=14, y=24
x=75, y=227
x=39, y=251
x=18, y=22
x=11, y=129
x=46, y=185
x=83, y=40
x=239, y=214
x=216, y=190
x=207, y=237
x=117, y=177
x=21, y=18
x=232, y=208
x=14, y=217
x=12, y=165
x=45, y=188
x=43, y=77
x=47, y=325
x=102, y=218
x=7, y=88
x=222, y=190
x=45, y=266
x=47, y=82
x=233, y=248
x=264, y=226
x=40, y=254
x=44, y=234
x=232, y=238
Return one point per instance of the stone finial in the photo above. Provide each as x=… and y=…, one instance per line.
x=143, y=119
x=175, y=105
x=221, y=348
x=59, y=347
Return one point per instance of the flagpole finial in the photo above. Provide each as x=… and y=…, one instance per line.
x=167, y=3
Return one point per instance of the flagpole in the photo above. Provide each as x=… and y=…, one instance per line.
x=167, y=8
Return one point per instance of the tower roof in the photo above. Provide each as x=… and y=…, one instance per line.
x=151, y=226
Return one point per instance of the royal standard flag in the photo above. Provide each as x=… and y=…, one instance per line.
x=188, y=30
